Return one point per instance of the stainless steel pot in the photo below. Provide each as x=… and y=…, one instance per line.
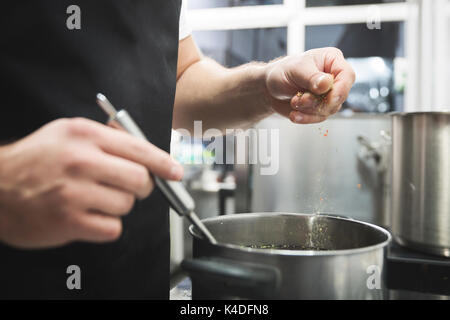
x=334, y=258
x=421, y=181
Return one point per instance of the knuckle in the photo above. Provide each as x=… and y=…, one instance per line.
x=75, y=161
x=337, y=51
x=67, y=156
x=142, y=179
x=66, y=195
x=113, y=231
x=68, y=219
x=166, y=162
x=79, y=127
x=126, y=203
x=138, y=147
x=147, y=190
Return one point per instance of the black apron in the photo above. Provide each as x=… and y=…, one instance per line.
x=128, y=51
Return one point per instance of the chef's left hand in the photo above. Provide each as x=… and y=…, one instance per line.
x=309, y=87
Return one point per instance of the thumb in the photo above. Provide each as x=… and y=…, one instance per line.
x=286, y=78
x=308, y=76
x=320, y=83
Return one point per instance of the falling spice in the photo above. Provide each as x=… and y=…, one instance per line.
x=325, y=133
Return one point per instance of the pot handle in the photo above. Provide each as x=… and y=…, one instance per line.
x=215, y=278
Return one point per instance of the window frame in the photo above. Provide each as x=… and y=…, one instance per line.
x=427, y=56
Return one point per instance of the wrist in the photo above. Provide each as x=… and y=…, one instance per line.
x=265, y=99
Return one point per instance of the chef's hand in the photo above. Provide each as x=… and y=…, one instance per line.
x=309, y=87
x=72, y=180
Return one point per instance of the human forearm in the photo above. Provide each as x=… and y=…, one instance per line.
x=72, y=180
x=236, y=98
x=221, y=98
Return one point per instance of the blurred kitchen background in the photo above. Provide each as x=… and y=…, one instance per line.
x=400, y=52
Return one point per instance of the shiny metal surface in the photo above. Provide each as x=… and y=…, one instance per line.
x=174, y=191
x=411, y=295
x=421, y=181
x=198, y=224
x=323, y=172
x=353, y=250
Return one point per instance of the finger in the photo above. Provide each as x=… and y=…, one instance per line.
x=338, y=95
x=344, y=80
x=119, y=173
x=306, y=101
x=308, y=76
x=101, y=198
x=342, y=71
x=336, y=110
x=302, y=118
x=96, y=227
x=124, y=145
x=156, y=160
x=310, y=104
x=324, y=106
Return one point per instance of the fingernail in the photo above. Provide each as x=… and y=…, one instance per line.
x=176, y=172
x=298, y=118
x=318, y=81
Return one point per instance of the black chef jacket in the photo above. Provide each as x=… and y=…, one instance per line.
x=126, y=49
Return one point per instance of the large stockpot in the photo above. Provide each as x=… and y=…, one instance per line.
x=421, y=181
x=334, y=258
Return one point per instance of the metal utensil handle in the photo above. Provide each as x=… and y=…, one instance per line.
x=174, y=191
x=176, y=194
x=192, y=217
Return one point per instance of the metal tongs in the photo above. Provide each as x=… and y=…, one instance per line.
x=174, y=191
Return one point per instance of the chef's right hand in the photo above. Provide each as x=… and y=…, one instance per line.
x=72, y=180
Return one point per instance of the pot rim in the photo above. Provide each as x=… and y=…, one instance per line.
x=403, y=113
x=297, y=252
